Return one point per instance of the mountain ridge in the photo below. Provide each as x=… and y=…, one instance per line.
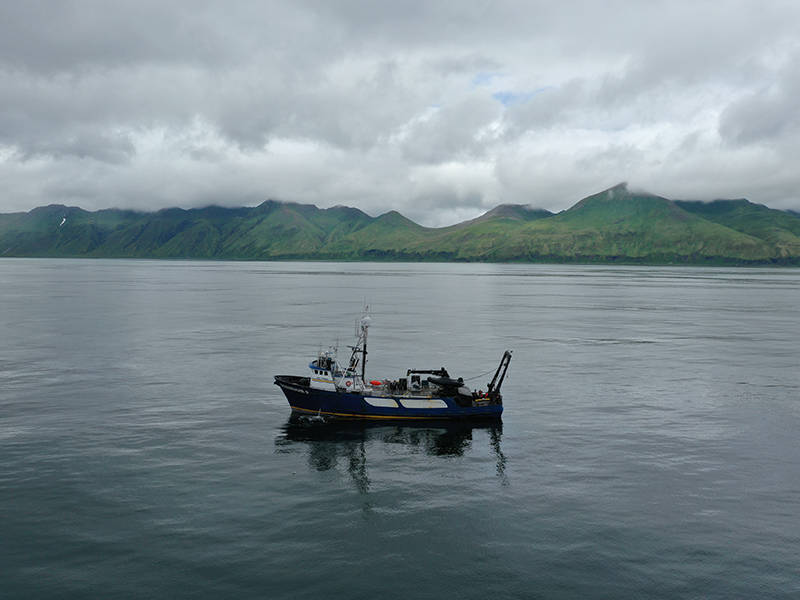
x=616, y=225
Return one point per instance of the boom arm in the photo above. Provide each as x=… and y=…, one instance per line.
x=499, y=375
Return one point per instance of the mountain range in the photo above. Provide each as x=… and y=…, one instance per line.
x=614, y=226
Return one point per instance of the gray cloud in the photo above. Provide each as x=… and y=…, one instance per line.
x=440, y=109
x=768, y=114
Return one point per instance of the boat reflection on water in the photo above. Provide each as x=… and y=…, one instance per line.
x=330, y=442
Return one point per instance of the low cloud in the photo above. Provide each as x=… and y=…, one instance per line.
x=438, y=109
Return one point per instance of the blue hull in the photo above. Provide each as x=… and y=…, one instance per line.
x=304, y=399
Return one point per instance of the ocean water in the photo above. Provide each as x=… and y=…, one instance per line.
x=649, y=446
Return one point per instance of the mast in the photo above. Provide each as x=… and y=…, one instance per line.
x=365, y=323
x=362, y=326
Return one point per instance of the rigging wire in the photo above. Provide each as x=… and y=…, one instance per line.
x=479, y=376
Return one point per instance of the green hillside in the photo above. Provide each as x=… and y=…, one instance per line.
x=619, y=225
x=779, y=229
x=614, y=226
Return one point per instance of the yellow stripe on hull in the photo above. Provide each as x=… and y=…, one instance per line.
x=352, y=416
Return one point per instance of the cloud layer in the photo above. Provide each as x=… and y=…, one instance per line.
x=439, y=109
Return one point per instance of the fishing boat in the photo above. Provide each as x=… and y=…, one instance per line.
x=332, y=389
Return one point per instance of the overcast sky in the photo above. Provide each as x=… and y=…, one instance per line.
x=440, y=109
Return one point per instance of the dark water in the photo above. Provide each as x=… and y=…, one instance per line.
x=649, y=447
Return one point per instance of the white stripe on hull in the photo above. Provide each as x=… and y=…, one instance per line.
x=381, y=402
x=423, y=403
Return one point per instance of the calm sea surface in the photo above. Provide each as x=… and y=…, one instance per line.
x=650, y=446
